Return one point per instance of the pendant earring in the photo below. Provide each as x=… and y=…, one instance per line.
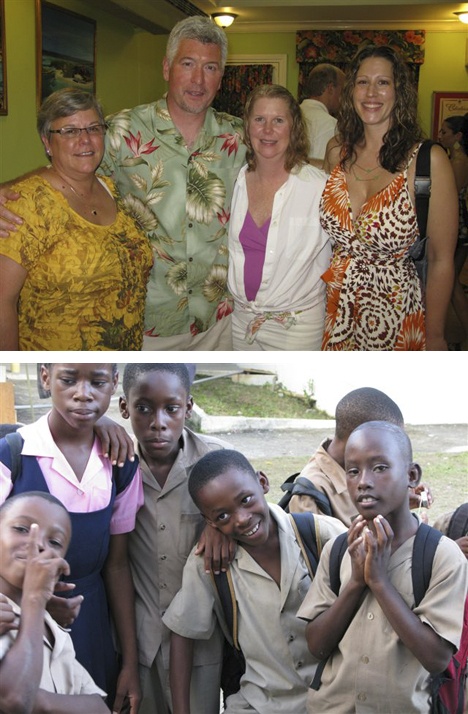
x=456, y=145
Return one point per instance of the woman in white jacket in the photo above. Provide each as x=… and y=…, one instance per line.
x=277, y=247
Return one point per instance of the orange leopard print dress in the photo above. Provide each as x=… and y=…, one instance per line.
x=374, y=295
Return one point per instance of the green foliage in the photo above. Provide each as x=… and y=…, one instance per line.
x=224, y=397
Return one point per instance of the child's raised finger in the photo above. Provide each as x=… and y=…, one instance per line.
x=33, y=545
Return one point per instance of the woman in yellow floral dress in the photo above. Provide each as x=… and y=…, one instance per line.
x=73, y=275
x=375, y=300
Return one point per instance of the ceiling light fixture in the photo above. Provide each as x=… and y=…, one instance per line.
x=462, y=16
x=223, y=19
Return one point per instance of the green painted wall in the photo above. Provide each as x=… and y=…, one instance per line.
x=128, y=67
x=128, y=64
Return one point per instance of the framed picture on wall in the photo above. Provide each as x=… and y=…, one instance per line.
x=66, y=50
x=447, y=104
x=3, y=77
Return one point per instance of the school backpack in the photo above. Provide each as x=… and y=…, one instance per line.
x=296, y=485
x=458, y=526
x=448, y=688
x=308, y=537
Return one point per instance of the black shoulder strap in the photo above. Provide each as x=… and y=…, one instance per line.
x=296, y=485
x=338, y=549
x=424, y=548
x=422, y=185
x=308, y=536
x=123, y=475
x=15, y=442
x=225, y=588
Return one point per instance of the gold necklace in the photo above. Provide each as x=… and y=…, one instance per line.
x=368, y=171
x=82, y=197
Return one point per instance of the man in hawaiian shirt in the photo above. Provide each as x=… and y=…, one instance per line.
x=175, y=162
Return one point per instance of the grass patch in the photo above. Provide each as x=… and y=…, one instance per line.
x=445, y=474
x=224, y=397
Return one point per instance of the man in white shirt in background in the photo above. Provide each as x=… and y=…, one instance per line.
x=323, y=89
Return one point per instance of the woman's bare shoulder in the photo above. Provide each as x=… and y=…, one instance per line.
x=332, y=155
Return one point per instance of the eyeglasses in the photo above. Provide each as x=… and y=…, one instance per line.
x=73, y=132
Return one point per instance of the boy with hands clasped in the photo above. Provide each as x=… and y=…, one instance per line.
x=381, y=648
x=38, y=669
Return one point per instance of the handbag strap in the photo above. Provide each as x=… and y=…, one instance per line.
x=422, y=185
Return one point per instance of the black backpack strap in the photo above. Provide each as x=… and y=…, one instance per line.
x=123, y=475
x=308, y=536
x=424, y=548
x=338, y=549
x=296, y=485
x=225, y=589
x=422, y=185
x=15, y=442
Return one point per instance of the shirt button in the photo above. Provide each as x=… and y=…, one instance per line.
x=162, y=527
x=365, y=659
x=190, y=225
x=163, y=557
x=362, y=697
x=190, y=260
x=291, y=638
x=163, y=586
x=190, y=292
x=370, y=616
x=299, y=664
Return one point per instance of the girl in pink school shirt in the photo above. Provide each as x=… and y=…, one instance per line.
x=61, y=455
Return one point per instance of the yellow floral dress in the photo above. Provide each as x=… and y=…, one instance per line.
x=374, y=296
x=86, y=284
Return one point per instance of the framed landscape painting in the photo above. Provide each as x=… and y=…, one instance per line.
x=3, y=80
x=447, y=104
x=66, y=50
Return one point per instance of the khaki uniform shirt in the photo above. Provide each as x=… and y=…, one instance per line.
x=330, y=478
x=372, y=671
x=279, y=667
x=167, y=527
x=61, y=671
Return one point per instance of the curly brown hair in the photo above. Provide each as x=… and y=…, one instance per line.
x=297, y=152
x=404, y=130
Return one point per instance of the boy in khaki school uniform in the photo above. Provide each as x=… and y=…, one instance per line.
x=157, y=401
x=381, y=649
x=270, y=579
x=325, y=468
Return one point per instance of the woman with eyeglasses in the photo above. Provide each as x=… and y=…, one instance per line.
x=73, y=276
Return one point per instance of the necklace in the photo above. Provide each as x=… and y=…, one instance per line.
x=367, y=171
x=82, y=197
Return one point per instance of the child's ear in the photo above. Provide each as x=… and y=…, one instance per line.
x=189, y=407
x=115, y=381
x=45, y=378
x=124, y=408
x=264, y=483
x=414, y=475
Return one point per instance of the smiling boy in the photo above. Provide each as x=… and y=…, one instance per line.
x=381, y=648
x=38, y=669
x=270, y=579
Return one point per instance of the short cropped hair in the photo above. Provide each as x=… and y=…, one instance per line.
x=399, y=435
x=201, y=29
x=25, y=494
x=320, y=77
x=65, y=103
x=363, y=405
x=214, y=464
x=297, y=153
x=134, y=370
x=49, y=365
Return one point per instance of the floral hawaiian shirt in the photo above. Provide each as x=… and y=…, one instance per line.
x=181, y=198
